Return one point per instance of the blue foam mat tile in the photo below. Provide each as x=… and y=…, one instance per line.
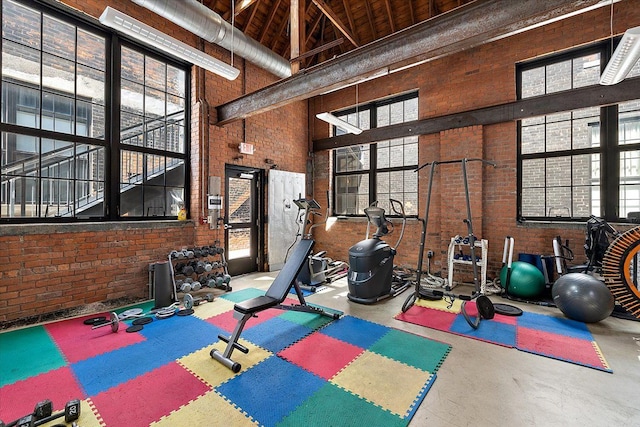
x=490, y=331
x=355, y=331
x=167, y=340
x=276, y=334
x=282, y=388
x=556, y=325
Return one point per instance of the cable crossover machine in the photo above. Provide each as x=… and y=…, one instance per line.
x=484, y=305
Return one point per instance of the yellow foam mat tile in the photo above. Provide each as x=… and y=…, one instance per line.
x=441, y=305
x=211, y=309
x=214, y=373
x=371, y=376
x=207, y=410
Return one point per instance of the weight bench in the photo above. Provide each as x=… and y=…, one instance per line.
x=273, y=298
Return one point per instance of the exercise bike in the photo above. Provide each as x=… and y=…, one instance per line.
x=371, y=276
x=319, y=269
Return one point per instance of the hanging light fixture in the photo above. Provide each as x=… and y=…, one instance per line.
x=338, y=122
x=143, y=33
x=623, y=59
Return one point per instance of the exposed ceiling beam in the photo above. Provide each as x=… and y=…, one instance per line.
x=318, y=49
x=584, y=97
x=335, y=20
x=390, y=16
x=296, y=34
x=474, y=24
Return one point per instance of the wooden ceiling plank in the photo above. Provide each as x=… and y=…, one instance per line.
x=248, y=23
x=267, y=23
x=374, y=34
x=335, y=20
x=390, y=15
x=283, y=25
x=347, y=9
x=412, y=12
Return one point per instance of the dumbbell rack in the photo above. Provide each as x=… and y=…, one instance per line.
x=199, y=268
x=458, y=255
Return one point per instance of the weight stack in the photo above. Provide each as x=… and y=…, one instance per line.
x=162, y=284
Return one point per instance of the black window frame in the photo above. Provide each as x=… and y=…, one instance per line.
x=609, y=150
x=373, y=170
x=111, y=142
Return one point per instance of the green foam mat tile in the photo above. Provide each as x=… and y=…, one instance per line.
x=27, y=352
x=245, y=294
x=333, y=406
x=412, y=350
x=311, y=320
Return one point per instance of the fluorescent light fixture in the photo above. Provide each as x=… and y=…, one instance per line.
x=624, y=58
x=347, y=127
x=152, y=37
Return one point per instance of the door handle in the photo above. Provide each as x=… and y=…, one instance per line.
x=227, y=226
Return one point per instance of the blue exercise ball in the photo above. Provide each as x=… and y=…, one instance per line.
x=582, y=297
x=526, y=280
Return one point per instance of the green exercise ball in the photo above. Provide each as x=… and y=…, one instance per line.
x=526, y=280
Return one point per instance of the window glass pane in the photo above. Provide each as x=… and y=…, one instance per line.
x=396, y=113
x=20, y=24
x=240, y=200
x=58, y=74
x=586, y=70
x=132, y=98
x=154, y=103
x=175, y=172
x=558, y=202
x=20, y=63
x=411, y=109
x=558, y=77
x=176, y=81
x=629, y=182
x=58, y=38
x=155, y=169
x=91, y=50
x=533, y=173
x=532, y=202
x=586, y=128
x=354, y=158
x=533, y=82
x=132, y=65
x=132, y=169
x=383, y=115
x=155, y=74
x=352, y=194
x=532, y=139
x=629, y=122
x=91, y=84
x=558, y=136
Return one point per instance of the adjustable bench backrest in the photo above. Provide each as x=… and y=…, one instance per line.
x=279, y=289
x=283, y=281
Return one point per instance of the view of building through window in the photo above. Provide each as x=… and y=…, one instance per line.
x=563, y=155
x=368, y=173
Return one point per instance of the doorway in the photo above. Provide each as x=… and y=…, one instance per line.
x=242, y=219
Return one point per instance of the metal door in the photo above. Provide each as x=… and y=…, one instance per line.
x=242, y=219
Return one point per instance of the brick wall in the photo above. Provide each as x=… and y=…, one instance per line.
x=478, y=77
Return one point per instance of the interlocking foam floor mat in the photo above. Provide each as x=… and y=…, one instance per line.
x=302, y=369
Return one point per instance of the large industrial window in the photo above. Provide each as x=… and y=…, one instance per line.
x=573, y=164
x=364, y=174
x=66, y=154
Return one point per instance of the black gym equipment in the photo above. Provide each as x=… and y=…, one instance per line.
x=275, y=295
x=71, y=413
x=319, y=269
x=371, y=276
x=190, y=301
x=43, y=409
x=484, y=305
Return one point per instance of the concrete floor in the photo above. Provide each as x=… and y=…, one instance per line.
x=482, y=384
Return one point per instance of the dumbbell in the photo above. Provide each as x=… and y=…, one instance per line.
x=42, y=410
x=71, y=413
x=183, y=286
x=114, y=322
x=189, y=301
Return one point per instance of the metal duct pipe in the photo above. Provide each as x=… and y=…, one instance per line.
x=204, y=22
